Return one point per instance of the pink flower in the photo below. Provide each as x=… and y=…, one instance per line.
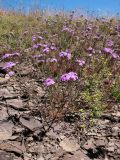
x=65, y=54
x=16, y=54
x=33, y=38
x=37, y=56
x=65, y=77
x=108, y=50
x=9, y=65
x=35, y=46
x=73, y=76
x=91, y=50
x=48, y=82
x=41, y=61
x=7, y=55
x=80, y=62
x=115, y=55
x=11, y=73
x=109, y=43
x=68, y=30
x=40, y=37
x=51, y=60
x=69, y=76
x=53, y=48
x=44, y=45
x=36, y=37
x=46, y=50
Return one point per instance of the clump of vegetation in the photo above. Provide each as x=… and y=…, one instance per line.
x=79, y=58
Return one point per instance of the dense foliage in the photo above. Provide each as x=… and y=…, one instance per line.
x=78, y=58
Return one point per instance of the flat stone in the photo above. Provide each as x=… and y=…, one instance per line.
x=4, y=80
x=52, y=135
x=39, y=91
x=6, y=156
x=69, y=145
x=101, y=142
x=78, y=155
x=5, y=93
x=103, y=122
x=3, y=113
x=10, y=88
x=37, y=148
x=15, y=103
x=27, y=156
x=13, y=111
x=118, y=151
x=111, y=149
x=89, y=144
x=12, y=146
x=30, y=122
x=116, y=114
x=40, y=158
x=5, y=130
x=116, y=128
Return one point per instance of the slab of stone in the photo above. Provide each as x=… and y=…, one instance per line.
x=12, y=146
x=5, y=93
x=78, y=155
x=4, y=80
x=15, y=103
x=69, y=145
x=3, y=113
x=6, y=156
x=30, y=122
x=89, y=144
x=5, y=130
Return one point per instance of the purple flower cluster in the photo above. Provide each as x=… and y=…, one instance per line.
x=9, y=65
x=108, y=50
x=36, y=37
x=7, y=55
x=114, y=55
x=68, y=30
x=41, y=61
x=91, y=50
x=46, y=50
x=112, y=52
x=53, y=48
x=11, y=73
x=65, y=54
x=35, y=46
x=52, y=60
x=37, y=55
x=69, y=76
x=49, y=81
x=109, y=43
x=65, y=77
x=80, y=62
x=33, y=38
